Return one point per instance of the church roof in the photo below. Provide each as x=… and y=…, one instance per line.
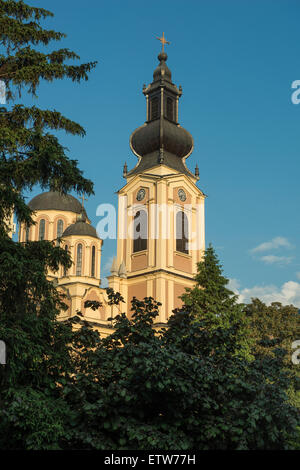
x=80, y=228
x=152, y=160
x=52, y=200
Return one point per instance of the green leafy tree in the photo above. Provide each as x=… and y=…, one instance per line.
x=147, y=390
x=277, y=325
x=273, y=324
x=142, y=389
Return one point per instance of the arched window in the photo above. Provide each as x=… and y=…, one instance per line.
x=27, y=234
x=170, y=109
x=93, y=262
x=140, y=231
x=154, y=107
x=60, y=228
x=42, y=229
x=182, y=232
x=59, y=231
x=65, y=269
x=79, y=260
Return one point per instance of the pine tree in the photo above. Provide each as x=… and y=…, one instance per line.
x=214, y=308
x=29, y=153
x=210, y=298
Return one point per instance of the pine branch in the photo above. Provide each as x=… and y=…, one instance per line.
x=37, y=119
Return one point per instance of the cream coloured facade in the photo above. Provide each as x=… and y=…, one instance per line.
x=11, y=226
x=161, y=221
x=159, y=270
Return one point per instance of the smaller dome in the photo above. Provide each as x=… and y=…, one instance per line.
x=53, y=200
x=80, y=228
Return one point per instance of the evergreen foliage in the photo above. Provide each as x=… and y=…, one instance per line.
x=215, y=308
x=30, y=153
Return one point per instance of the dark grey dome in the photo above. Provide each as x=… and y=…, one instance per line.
x=55, y=201
x=80, y=228
x=161, y=133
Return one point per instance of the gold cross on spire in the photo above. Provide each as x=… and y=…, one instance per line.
x=83, y=198
x=163, y=41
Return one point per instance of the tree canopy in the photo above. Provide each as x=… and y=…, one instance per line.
x=182, y=387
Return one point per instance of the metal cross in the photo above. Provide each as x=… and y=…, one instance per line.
x=83, y=199
x=163, y=41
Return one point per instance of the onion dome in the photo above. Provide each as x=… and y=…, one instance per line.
x=53, y=200
x=80, y=228
x=161, y=140
x=162, y=133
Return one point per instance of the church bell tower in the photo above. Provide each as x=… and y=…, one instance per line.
x=161, y=234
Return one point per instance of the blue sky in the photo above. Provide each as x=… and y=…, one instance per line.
x=236, y=61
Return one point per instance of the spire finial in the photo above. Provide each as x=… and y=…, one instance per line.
x=122, y=271
x=163, y=41
x=114, y=267
x=82, y=216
